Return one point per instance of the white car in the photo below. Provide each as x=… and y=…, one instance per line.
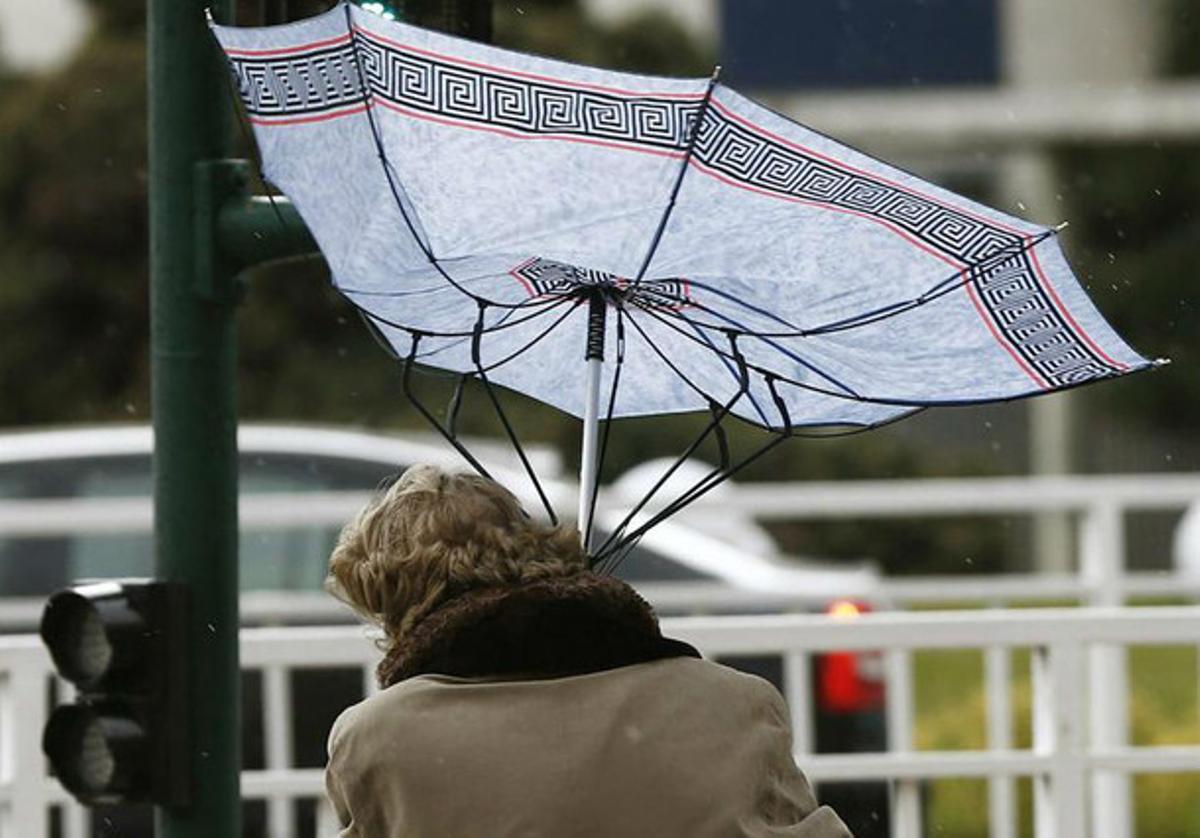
x=75, y=503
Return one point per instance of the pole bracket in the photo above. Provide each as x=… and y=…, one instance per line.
x=236, y=230
x=215, y=182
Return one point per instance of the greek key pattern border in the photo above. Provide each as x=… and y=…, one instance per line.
x=325, y=80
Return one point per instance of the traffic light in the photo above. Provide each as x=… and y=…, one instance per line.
x=388, y=11
x=467, y=18
x=122, y=644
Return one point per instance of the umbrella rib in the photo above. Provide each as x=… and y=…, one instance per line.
x=718, y=414
x=503, y=323
x=433, y=289
x=969, y=273
x=406, y=386
x=718, y=475
x=722, y=410
x=712, y=289
x=532, y=343
x=626, y=543
x=730, y=368
x=848, y=392
x=476, y=340
x=701, y=113
x=391, y=176
x=893, y=402
x=951, y=283
x=702, y=488
x=669, y=363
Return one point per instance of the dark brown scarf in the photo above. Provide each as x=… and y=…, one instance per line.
x=555, y=627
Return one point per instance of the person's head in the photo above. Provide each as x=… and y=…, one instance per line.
x=432, y=535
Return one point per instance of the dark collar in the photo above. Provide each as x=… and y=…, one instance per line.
x=555, y=627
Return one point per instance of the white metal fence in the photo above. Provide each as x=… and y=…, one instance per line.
x=1086, y=657
x=1071, y=763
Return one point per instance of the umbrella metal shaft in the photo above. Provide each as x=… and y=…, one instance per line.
x=590, y=455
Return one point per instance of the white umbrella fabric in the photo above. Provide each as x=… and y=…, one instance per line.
x=507, y=217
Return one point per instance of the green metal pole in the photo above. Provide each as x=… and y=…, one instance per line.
x=195, y=419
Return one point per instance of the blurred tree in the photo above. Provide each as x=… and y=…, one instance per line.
x=72, y=235
x=1183, y=39
x=1135, y=225
x=648, y=42
x=1135, y=213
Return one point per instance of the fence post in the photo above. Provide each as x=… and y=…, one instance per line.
x=1102, y=542
x=1059, y=809
x=997, y=661
x=22, y=717
x=797, y=681
x=277, y=727
x=906, y=799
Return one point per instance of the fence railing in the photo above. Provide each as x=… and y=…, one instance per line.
x=1071, y=766
x=1099, y=505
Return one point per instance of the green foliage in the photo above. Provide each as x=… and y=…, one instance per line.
x=951, y=706
x=1135, y=223
x=647, y=43
x=1183, y=38
x=73, y=240
x=118, y=18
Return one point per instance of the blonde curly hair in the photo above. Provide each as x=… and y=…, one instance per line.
x=433, y=535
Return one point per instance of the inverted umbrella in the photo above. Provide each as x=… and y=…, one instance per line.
x=505, y=217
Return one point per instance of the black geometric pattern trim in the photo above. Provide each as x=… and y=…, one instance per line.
x=298, y=84
x=325, y=80
x=1038, y=332
x=753, y=158
x=545, y=277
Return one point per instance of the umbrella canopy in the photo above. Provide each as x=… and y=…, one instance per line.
x=485, y=208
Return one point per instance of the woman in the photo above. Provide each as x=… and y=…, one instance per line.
x=526, y=696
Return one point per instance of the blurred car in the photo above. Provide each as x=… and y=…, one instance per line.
x=92, y=487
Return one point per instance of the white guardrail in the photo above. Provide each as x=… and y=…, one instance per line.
x=1082, y=775
x=1071, y=763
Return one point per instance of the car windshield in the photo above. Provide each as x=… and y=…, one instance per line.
x=288, y=558
x=291, y=558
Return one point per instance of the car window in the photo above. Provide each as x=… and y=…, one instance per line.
x=641, y=564
x=292, y=559
x=289, y=559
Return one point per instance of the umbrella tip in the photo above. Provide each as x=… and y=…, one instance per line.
x=1161, y=362
x=1058, y=228
x=716, y=73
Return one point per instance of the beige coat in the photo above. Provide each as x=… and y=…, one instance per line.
x=672, y=748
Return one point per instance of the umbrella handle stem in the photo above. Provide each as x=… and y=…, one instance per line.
x=589, y=459
x=590, y=454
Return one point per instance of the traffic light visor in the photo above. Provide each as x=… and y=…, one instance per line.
x=83, y=628
x=98, y=753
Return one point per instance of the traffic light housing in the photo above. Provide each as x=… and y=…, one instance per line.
x=122, y=644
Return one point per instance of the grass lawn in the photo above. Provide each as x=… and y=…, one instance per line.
x=950, y=704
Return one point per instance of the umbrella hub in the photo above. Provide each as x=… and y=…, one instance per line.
x=549, y=278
